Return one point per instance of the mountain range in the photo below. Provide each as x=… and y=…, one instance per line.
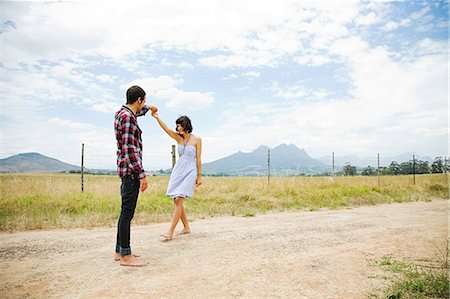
x=291, y=160
x=34, y=162
x=285, y=159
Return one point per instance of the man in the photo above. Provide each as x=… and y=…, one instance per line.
x=130, y=170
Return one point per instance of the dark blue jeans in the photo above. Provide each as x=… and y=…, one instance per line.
x=130, y=192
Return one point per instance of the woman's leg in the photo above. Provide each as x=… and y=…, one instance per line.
x=184, y=219
x=178, y=211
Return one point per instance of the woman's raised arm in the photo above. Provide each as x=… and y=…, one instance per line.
x=169, y=132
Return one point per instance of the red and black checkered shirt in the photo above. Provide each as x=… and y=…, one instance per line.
x=129, y=142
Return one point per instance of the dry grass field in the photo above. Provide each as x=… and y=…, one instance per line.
x=47, y=201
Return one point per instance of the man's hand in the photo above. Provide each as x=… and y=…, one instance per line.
x=144, y=184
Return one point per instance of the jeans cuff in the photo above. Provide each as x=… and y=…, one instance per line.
x=125, y=251
x=118, y=248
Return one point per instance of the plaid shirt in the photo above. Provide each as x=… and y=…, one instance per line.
x=129, y=142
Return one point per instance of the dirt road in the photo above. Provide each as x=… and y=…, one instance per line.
x=322, y=254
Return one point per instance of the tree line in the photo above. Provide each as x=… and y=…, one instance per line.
x=395, y=168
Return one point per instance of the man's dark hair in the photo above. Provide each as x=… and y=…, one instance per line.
x=133, y=93
x=185, y=122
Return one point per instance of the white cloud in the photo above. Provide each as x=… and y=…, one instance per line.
x=108, y=107
x=248, y=58
x=405, y=22
x=38, y=85
x=251, y=74
x=290, y=93
x=100, y=147
x=57, y=84
x=58, y=138
x=106, y=78
x=395, y=106
x=420, y=14
x=153, y=85
x=321, y=94
x=389, y=26
x=183, y=64
x=298, y=92
x=164, y=87
x=64, y=123
x=190, y=100
x=369, y=19
x=68, y=58
x=428, y=46
x=231, y=76
x=250, y=35
x=314, y=60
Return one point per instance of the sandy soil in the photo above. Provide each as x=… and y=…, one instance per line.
x=322, y=254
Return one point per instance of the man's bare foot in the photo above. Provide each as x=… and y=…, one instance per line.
x=166, y=237
x=183, y=232
x=132, y=261
x=117, y=256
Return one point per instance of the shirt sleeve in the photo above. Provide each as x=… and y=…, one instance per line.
x=143, y=111
x=130, y=146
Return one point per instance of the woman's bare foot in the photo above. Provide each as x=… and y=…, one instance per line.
x=117, y=256
x=132, y=261
x=183, y=232
x=166, y=237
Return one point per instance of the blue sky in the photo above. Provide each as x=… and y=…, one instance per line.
x=350, y=77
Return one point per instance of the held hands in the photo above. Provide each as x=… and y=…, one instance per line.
x=154, y=111
x=153, y=108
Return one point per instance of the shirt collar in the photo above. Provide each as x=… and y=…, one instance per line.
x=125, y=107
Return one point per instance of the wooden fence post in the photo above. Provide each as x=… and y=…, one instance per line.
x=268, y=167
x=173, y=156
x=332, y=159
x=378, y=170
x=82, y=167
x=445, y=169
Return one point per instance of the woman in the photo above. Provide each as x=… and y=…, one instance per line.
x=186, y=175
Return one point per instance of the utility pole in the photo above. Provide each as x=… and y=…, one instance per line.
x=82, y=167
x=414, y=169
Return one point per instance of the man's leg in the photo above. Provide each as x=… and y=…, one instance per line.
x=130, y=193
x=117, y=255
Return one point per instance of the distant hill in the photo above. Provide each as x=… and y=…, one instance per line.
x=34, y=162
x=290, y=160
x=284, y=160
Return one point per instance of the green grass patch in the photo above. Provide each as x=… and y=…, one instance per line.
x=409, y=280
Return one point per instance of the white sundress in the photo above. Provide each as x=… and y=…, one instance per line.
x=184, y=174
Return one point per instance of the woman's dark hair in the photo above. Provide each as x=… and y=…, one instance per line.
x=185, y=122
x=133, y=93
